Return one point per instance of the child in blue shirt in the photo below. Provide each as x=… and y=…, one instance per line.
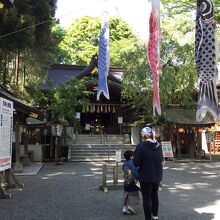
x=130, y=175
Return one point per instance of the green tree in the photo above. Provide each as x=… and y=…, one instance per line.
x=81, y=40
x=179, y=6
x=136, y=83
x=67, y=98
x=58, y=34
x=179, y=76
x=26, y=42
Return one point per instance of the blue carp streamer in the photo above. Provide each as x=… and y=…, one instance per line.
x=103, y=57
x=206, y=57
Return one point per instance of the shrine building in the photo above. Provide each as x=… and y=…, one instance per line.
x=109, y=116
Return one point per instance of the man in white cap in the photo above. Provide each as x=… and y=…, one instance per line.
x=148, y=158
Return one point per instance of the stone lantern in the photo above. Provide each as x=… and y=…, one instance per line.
x=57, y=129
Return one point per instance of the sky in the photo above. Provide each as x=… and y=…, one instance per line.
x=134, y=12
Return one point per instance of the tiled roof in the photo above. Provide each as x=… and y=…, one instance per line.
x=19, y=105
x=60, y=73
x=185, y=117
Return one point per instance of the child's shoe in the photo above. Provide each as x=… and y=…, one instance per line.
x=131, y=210
x=125, y=210
x=155, y=218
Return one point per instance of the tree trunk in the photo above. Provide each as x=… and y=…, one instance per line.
x=18, y=165
x=4, y=75
x=17, y=60
x=24, y=74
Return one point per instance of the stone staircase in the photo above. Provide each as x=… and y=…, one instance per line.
x=99, y=139
x=98, y=148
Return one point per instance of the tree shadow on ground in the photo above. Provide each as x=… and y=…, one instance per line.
x=189, y=216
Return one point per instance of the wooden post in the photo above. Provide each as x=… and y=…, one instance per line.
x=11, y=180
x=178, y=143
x=3, y=193
x=56, y=149
x=104, y=178
x=104, y=175
x=26, y=159
x=7, y=177
x=115, y=174
x=18, y=165
x=25, y=142
x=120, y=129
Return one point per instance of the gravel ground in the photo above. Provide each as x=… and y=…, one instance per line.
x=191, y=191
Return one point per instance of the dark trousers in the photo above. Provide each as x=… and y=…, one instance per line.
x=150, y=199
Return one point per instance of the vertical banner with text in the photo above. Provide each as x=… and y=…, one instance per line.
x=6, y=132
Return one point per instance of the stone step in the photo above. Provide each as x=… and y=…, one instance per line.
x=92, y=156
x=91, y=159
x=93, y=153
x=102, y=146
x=97, y=152
x=95, y=159
x=98, y=142
x=101, y=150
x=99, y=139
x=81, y=151
x=99, y=135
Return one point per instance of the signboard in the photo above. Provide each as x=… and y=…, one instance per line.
x=6, y=133
x=77, y=115
x=167, y=149
x=57, y=129
x=120, y=120
x=118, y=156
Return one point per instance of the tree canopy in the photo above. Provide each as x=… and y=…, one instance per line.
x=67, y=98
x=179, y=76
x=177, y=7
x=80, y=42
x=31, y=40
x=26, y=42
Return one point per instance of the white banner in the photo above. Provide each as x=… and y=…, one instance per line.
x=204, y=143
x=6, y=133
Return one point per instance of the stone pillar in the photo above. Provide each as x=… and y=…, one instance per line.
x=70, y=140
x=135, y=135
x=56, y=149
x=71, y=135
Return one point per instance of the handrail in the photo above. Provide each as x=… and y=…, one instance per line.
x=106, y=138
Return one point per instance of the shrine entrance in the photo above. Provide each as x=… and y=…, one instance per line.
x=97, y=123
x=100, y=119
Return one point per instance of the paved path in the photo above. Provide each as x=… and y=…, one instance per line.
x=70, y=192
